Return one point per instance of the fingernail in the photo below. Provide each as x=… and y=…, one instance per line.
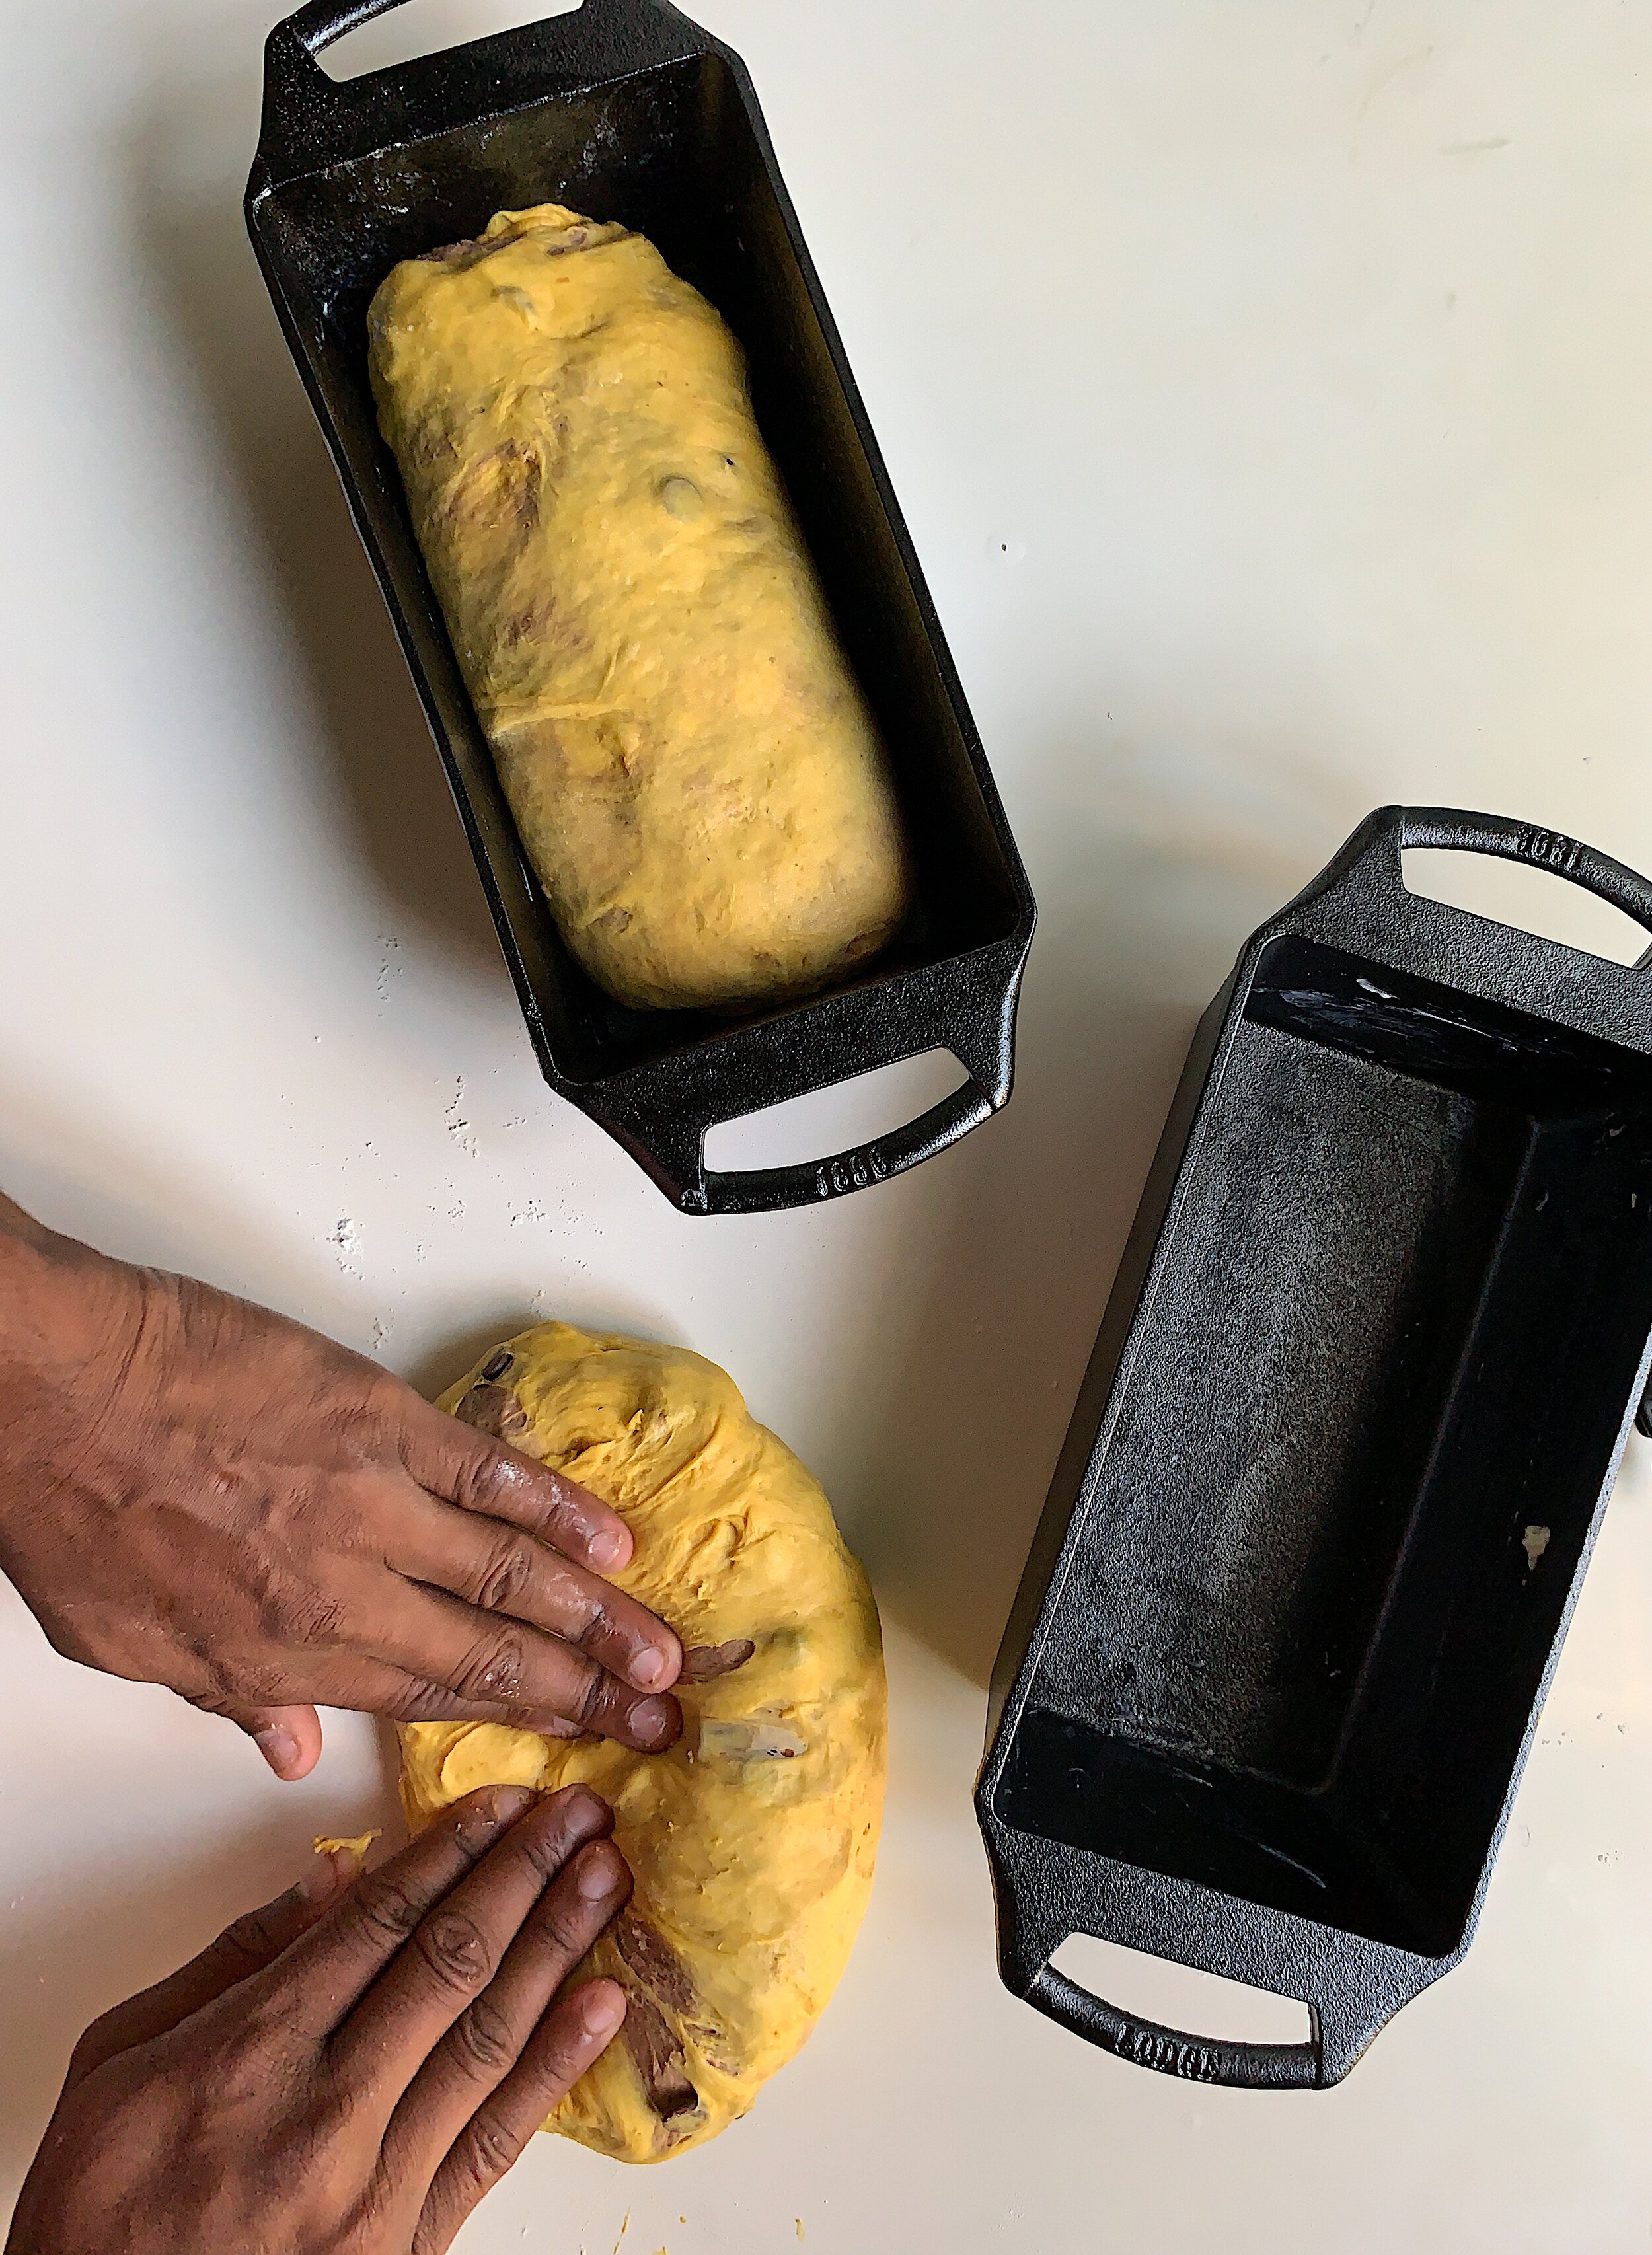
x=584, y=1805
x=654, y=1721
x=601, y=2010
x=595, y=1875
x=329, y=1875
x=608, y=1549
x=278, y=1746
x=649, y=1666
x=507, y=1801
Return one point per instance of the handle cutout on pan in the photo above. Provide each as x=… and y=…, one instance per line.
x=425, y=27
x=1530, y=899
x=1181, y=1995
x=851, y=1114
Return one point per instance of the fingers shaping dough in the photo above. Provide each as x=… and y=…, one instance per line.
x=753, y=1839
x=694, y=770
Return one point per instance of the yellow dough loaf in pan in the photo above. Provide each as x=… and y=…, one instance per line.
x=693, y=768
x=752, y=1840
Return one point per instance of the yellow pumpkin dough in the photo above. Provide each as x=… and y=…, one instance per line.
x=694, y=770
x=354, y=1843
x=752, y=1840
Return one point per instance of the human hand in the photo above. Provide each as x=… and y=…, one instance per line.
x=198, y=1493
x=348, y=2070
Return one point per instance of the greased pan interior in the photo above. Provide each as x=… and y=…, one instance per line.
x=1328, y=1496
x=626, y=110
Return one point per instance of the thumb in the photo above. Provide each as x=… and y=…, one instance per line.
x=288, y=1737
x=255, y=1940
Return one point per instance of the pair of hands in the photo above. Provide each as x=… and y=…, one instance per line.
x=348, y=2070
x=198, y=1493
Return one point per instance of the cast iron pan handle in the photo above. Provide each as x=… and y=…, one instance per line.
x=764, y=1190
x=1196, y=2059
x=319, y=22
x=663, y=1119
x=311, y=121
x=1449, y=827
x=667, y=1135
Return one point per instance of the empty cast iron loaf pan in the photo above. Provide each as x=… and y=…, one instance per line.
x=1324, y=1505
x=626, y=110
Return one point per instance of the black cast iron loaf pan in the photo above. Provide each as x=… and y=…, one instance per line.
x=626, y=110
x=1353, y=1417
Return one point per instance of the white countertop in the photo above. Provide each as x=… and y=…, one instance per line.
x=1269, y=392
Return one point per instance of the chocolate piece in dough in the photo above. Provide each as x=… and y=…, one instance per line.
x=493, y=1409
x=703, y=1661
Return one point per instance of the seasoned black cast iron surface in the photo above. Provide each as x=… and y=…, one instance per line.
x=626, y=110
x=1355, y=1408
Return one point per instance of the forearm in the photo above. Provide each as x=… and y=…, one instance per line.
x=59, y=1300
x=65, y=1310
x=27, y=1256
x=38, y=1263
